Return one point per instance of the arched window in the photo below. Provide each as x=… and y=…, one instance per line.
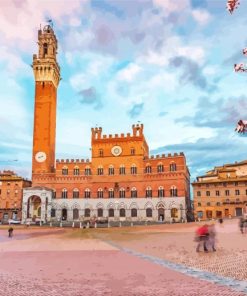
x=149, y=212
x=100, y=193
x=87, y=193
x=174, y=213
x=64, y=193
x=160, y=168
x=75, y=214
x=111, y=170
x=132, y=151
x=173, y=167
x=133, y=169
x=64, y=170
x=133, y=192
x=122, y=193
x=173, y=191
x=76, y=193
x=76, y=171
x=199, y=204
x=122, y=212
x=148, y=191
x=161, y=191
x=54, y=194
x=100, y=170
x=111, y=193
x=122, y=170
x=100, y=212
x=87, y=171
x=111, y=212
x=87, y=212
x=133, y=212
x=45, y=47
x=148, y=169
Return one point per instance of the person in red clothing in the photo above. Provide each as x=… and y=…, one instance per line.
x=202, y=237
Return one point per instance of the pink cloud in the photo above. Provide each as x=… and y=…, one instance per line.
x=20, y=19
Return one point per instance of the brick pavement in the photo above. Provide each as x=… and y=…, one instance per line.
x=35, y=263
x=84, y=273
x=175, y=243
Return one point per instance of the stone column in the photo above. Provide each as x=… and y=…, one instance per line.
x=24, y=212
x=43, y=211
x=49, y=211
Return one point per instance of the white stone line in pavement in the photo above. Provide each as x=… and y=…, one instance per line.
x=240, y=286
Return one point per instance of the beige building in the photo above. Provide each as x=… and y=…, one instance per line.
x=221, y=192
x=11, y=187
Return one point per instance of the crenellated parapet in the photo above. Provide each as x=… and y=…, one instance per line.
x=45, y=66
x=71, y=161
x=163, y=156
x=137, y=130
x=136, y=134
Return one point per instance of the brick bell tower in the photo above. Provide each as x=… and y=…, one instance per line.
x=47, y=76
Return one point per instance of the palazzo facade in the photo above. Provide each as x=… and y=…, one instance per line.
x=221, y=192
x=121, y=181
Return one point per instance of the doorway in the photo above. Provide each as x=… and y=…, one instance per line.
x=64, y=214
x=161, y=214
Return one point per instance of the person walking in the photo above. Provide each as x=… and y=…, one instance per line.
x=10, y=230
x=241, y=224
x=211, y=236
x=202, y=238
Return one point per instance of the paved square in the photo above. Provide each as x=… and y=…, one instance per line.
x=43, y=261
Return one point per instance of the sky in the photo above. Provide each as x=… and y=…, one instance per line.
x=165, y=63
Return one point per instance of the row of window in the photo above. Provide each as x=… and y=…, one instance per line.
x=217, y=192
x=199, y=204
x=111, y=213
x=8, y=192
x=224, y=184
x=122, y=170
x=121, y=192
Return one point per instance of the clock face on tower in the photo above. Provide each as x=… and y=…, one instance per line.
x=40, y=156
x=116, y=150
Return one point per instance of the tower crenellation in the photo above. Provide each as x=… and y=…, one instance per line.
x=45, y=66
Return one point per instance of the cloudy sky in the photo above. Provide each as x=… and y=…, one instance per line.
x=165, y=63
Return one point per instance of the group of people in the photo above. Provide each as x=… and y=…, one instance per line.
x=205, y=236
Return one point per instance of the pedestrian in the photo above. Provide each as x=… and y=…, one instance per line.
x=211, y=236
x=10, y=230
x=202, y=238
x=220, y=220
x=241, y=224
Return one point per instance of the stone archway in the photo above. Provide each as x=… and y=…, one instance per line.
x=34, y=207
x=36, y=204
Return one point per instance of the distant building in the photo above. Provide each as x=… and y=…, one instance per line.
x=11, y=187
x=222, y=192
x=120, y=182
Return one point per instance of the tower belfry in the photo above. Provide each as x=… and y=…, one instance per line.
x=47, y=76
